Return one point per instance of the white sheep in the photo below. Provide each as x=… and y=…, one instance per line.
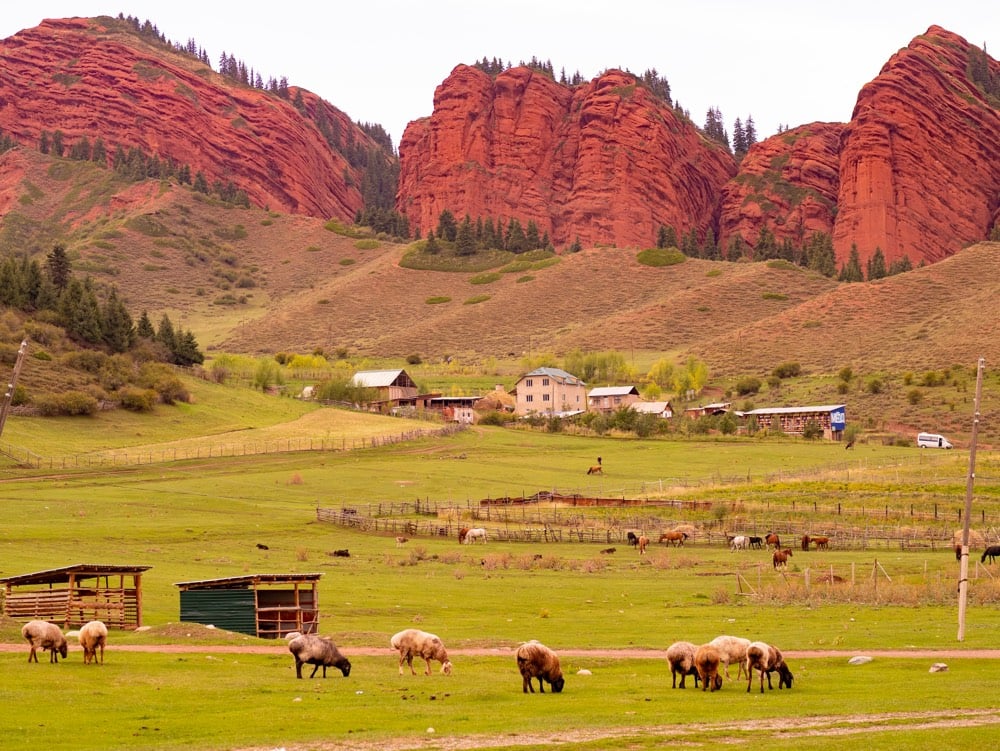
x=45, y=635
x=94, y=634
x=318, y=651
x=766, y=659
x=535, y=660
x=413, y=642
x=680, y=655
x=732, y=649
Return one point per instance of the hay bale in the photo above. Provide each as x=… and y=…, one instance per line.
x=976, y=539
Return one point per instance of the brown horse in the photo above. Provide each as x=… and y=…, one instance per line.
x=821, y=543
x=780, y=557
x=674, y=537
x=462, y=533
x=597, y=469
x=772, y=539
x=643, y=542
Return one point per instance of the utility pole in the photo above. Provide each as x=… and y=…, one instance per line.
x=963, y=574
x=7, y=397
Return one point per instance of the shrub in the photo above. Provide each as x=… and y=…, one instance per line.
x=788, y=370
x=843, y=387
x=748, y=385
x=660, y=257
x=914, y=396
x=875, y=386
x=493, y=418
x=67, y=403
x=846, y=373
x=932, y=378
x=137, y=400
x=413, y=359
x=812, y=430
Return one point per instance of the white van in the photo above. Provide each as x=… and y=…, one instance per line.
x=933, y=441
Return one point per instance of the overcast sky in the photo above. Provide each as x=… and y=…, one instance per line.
x=784, y=62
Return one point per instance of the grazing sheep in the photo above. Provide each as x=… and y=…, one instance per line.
x=413, y=642
x=766, y=659
x=780, y=557
x=992, y=552
x=46, y=636
x=732, y=649
x=680, y=655
x=535, y=660
x=94, y=634
x=706, y=661
x=309, y=649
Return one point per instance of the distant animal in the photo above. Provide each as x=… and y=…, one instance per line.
x=850, y=444
x=93, y=636
x=706, y=661
x=680, y=656
x=992, y=552
x=643, y=542
x=342, y=553
x=633, y=539
x=47, y=636
x=805, y=542
x=413, y=642
x=766, y=659
x=772, y=539
x=262, y=546
x=739, y=542
x=309, y=649
x=674, y=537
x=780, y=557
x=476, y=533
x=535, y=660
x=597, y=469
x=821, y=543
x=608, y=551
x=400, y=541
x=756, y=542
x=958, y=552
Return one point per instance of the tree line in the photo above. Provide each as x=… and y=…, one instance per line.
x=468, y=237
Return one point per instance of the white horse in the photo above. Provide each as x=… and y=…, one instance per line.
x=476, y=533
x=740, y=542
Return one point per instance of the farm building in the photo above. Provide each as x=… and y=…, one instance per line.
x=265, y=605
x=549, y=391
x=659, y=409
x=460, y=409
x=831, y=418
x=394, y=390
x=611, y=398
x=718, y=408
x=72, y=595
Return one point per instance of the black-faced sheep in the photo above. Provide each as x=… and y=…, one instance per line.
x=535, y=660
x=766, y=659
x=732, y=649
x=93, y=636
x=413, y=642
x=706, y=661
x=45, y=635
x=680, y=655
x=309, y=649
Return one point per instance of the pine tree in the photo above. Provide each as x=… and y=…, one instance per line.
x=116, y=324
x=876, y=265
x=144, y=327
x=80, y=312
x=710, y=248
x=532, y=240
x=851, y=271
x=447, y=229
x=186, y=352
x=739, y=139
x=515, y=240
x=767, y=246
x=900, y=266
x=820, y=256
x=166, y=335
x=465, y=241
x=431, y=245
x=57, y=143
x=750, y=132
x=59, y=267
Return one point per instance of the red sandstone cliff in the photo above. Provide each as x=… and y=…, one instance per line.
x=94, y=78
x=604, y=161
x=920, y=159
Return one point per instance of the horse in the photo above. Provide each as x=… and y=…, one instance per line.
x=772, y=539
x=821, y=543
x=476, y=533
x=805, y=542
x=633, y=539
x=992, y=552
x=674, y=537
x=780, y=557
x=643, y=542
x=756, y=542
x=739, y=542
x=400, y=541
x=608, y=551
x=461, y=534
x=597, y=469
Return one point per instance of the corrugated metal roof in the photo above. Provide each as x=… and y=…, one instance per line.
x=651, y=407
x=373, y=379
x=246, y=581
x=795, y=410
x=613, y=391
x=556, y=373
x=58, y=575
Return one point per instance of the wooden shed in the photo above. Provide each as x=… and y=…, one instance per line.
x=265, y=605
x=72, y=595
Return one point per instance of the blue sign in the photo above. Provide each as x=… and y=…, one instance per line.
x=838, y=419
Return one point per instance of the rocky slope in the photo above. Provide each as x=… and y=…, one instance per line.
x=605, y=161
x=91, y=78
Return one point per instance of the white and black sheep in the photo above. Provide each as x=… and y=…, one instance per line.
x=45, y=635
x=766, y=659
x=680, y=655
x=535, y=660
x=92, y=636
x=412, y=642
x=707, y=660
x=732, y=650
x=309, y=649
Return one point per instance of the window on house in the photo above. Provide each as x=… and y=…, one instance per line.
x=545, y=381
x=529, y=398
x=529, y=382
x=545, y=397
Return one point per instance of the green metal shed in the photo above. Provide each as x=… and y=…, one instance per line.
x=265, y=605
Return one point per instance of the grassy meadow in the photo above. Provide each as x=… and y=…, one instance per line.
x=203, y=518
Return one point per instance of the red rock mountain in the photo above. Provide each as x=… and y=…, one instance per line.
x=916, y=172
x=605, y=161
x=98, y=77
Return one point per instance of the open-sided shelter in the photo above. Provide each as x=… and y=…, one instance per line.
x=72, y=595
x=265, y=605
